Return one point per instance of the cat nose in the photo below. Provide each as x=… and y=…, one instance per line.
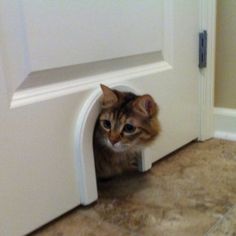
x=114, y=140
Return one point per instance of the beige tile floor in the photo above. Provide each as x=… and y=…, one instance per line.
x=189, y=193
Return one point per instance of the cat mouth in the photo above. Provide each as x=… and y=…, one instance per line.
x=117, y=147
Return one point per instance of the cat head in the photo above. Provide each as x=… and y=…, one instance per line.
x=127, y=121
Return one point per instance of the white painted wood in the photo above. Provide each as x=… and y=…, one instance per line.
x=13, y=42
x=42, y=93
x=207, y=77
x=89, y=30
x=225, y=123
x=178, y=110
x=41, y=176
x=84, y=148
x=79, y=37
x=225, y=135
x=37, y=163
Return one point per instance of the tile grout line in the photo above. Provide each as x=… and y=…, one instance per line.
x=213, y=227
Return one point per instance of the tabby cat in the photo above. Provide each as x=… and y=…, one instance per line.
x=126, y=124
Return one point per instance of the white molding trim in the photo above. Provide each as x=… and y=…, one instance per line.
x=225, y=135
x=225, y=123
x=38, y=94
x=225, y=112
x=207, y=75
x=86, y=120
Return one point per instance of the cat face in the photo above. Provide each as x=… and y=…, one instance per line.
x=127, y=121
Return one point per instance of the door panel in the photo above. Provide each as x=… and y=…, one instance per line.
x=38, y=175
x=54, y=56
x=89, y=30
x=176, y=88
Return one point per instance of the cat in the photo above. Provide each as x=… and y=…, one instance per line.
x=126, y=124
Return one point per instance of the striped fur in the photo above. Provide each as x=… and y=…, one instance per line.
x=126, y=124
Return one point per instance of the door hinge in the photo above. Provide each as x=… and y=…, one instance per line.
x=202, y=49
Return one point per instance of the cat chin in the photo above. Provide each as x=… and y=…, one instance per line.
x=118, y=147
x=119, y=150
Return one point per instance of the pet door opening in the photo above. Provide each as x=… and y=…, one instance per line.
x=84, y=146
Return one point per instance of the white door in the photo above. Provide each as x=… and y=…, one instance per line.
x=54, y=55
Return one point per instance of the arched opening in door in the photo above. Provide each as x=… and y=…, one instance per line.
x=84, y=146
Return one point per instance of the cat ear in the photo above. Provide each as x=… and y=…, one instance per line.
x=109, y=97
x=146, y=105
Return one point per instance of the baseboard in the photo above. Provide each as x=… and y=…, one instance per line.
x=225, y=123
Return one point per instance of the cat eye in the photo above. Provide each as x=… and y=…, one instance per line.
x=128, y=128
x=106, y=124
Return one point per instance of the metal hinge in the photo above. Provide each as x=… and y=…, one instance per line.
x=203, y=49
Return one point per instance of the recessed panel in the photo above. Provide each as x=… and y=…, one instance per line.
x=75, y=32
x=89, y=71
